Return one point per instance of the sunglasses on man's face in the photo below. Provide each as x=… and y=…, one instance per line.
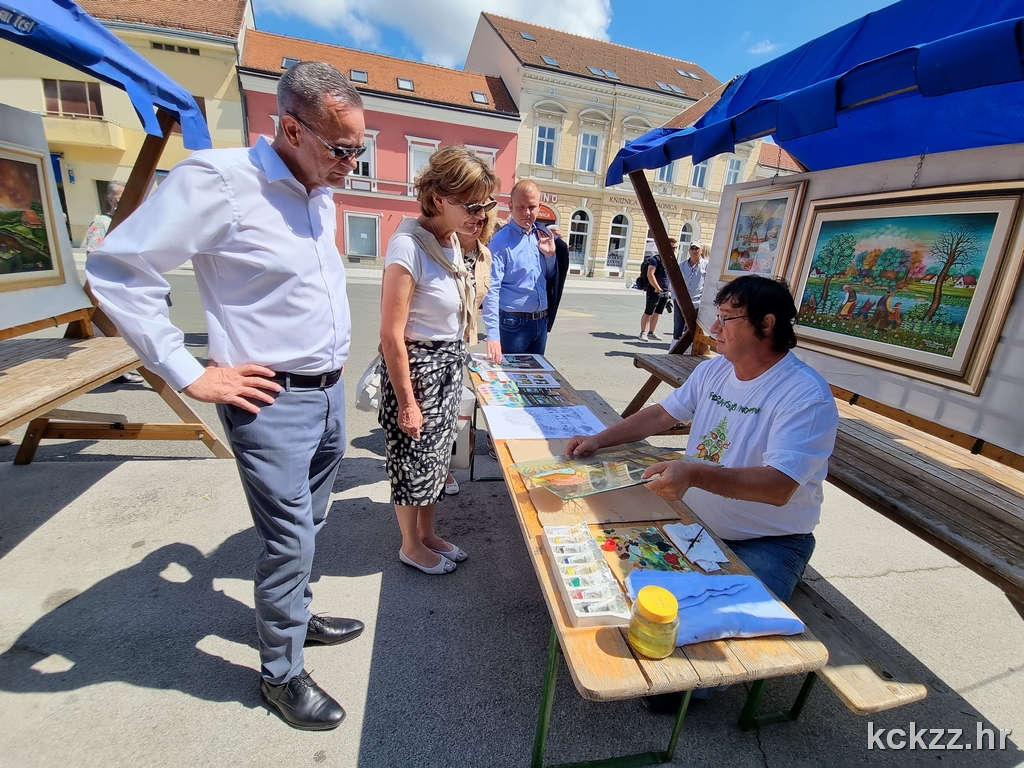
x=474, y=208
x=343, y=153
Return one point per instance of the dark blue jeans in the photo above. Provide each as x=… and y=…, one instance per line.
x=521, y=335
x=778, y=561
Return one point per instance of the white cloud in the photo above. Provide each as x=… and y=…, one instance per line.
x=440, y=29
x=765, y=46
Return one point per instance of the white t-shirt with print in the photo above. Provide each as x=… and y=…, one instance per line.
x=434, y=312
x=786, y=418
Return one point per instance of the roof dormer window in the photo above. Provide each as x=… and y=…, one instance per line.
x=479, y=97
x=358, y=76
x=663, y=86
x=405, y=84
x=596, y=71
x=527, y=36
x=549, y=60
x=676, y=88
x=610, y=74
x=289, y=61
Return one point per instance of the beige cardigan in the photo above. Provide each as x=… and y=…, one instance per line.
x=482, y=273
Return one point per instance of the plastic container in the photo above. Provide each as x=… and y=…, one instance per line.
x=654, y=623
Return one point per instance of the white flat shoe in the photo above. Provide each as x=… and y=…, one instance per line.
x=454, y=554
x=451, y=488
x=443, y=567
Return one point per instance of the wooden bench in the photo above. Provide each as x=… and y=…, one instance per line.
x=864, y=677
x=38, y=375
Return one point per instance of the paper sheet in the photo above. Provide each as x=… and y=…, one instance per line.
x=703, y=552
x=540, y=423
x=534, y=379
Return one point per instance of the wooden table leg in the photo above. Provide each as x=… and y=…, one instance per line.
x=29, y=443
x=642, y=397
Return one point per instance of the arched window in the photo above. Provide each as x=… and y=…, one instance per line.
x=579, y=239
x=618, y=244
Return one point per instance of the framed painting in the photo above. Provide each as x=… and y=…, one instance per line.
x=917, y=286
x=29, y=252
x=761, y=231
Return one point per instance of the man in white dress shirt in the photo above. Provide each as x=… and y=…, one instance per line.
x=259, y=225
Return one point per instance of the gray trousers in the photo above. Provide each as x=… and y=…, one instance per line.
x=287, y=456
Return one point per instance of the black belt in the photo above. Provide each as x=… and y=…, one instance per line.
x=528, y=315
x=305, y=381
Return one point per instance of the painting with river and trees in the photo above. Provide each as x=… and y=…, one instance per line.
x=906, y=282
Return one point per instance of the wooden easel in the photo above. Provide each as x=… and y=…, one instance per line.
x=38, y=375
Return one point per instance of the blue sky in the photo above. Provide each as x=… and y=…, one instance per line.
x=726, y=38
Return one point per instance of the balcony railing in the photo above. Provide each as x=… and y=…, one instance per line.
x=98, y=133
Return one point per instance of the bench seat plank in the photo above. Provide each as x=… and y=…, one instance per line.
x=972, y=478
x=39, y=374
x=860, y=673
x=943, y=493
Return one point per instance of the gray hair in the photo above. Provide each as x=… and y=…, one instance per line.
x=303, y=88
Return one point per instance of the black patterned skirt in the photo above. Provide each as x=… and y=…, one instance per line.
x=418, y=467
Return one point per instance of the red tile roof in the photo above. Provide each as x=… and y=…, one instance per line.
x=264, y=52
x=774, y=156
x=575, y=54
x=222, y=18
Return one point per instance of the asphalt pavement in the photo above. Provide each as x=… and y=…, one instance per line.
x=127, y=635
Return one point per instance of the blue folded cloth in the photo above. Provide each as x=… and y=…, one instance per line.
x=712, y=607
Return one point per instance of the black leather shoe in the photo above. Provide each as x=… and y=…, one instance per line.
x=303, y=704
x=328, y=630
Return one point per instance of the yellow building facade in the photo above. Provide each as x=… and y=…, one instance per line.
x=581, y=100
x=93, y=132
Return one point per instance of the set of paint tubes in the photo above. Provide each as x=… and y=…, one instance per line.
x=589, y=589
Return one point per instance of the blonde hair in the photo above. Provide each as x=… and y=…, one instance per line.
x=490, y=227
x=454, y=172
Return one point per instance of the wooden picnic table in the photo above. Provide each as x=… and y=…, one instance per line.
x=604, y=666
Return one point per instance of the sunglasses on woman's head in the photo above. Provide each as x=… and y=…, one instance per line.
x=334, y=151
x=474, y=208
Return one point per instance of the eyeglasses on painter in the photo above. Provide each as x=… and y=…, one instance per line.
x=474, y=208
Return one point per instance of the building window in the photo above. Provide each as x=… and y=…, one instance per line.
x=420, y=151
x=364, y=175
x=175, y=48
x=677, y=89
x=588, y=151
x=732, y=175
x=685, y=236
x=700, y=175
x=663, y=86
x=527, y=36
x=488, y=154
x=288, y=62
x=579, y=238
x=610, y=74
x=405, y=84
x=618, y=243
x=667, y=173
x=362, y=235
x=479, y=97
x=549, y=60
x=596, y=71
x=545, y=145
x=73, y=98
x=358, y=76
x=176, y=128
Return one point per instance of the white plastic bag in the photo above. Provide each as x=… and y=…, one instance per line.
x=368, y=388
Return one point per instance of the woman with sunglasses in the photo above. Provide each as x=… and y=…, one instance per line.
x=426, y=305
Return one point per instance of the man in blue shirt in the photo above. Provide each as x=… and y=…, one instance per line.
x=526, y=280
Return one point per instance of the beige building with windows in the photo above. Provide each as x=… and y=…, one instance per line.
x=581, y=100
x=92, y=129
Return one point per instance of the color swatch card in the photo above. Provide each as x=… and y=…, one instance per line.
x=534, y=379
x=525, y=363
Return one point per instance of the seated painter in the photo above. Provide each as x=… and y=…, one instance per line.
x=764, y=417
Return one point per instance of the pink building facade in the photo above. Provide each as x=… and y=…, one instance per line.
x=402, y=130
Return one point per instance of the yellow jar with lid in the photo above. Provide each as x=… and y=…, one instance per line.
x=654, y=622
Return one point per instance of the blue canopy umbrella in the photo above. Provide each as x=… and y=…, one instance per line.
x=63, y=31
x=917, y=76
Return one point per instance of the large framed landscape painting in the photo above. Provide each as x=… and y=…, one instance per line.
x=916, y=286
x=761, y=232
x=29, y=253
